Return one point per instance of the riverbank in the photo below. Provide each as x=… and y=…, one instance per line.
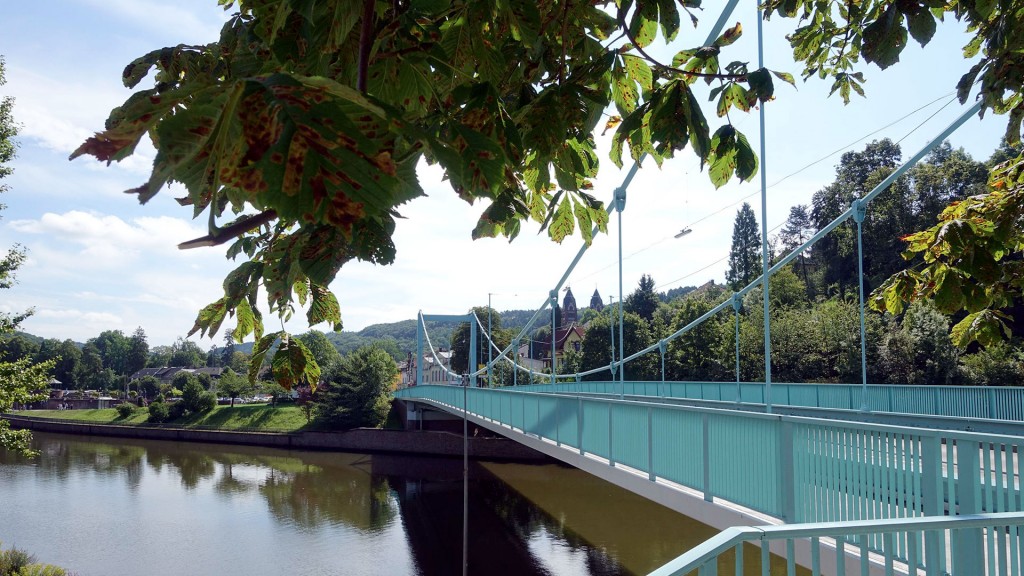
x=368, y=440
x=241, y=418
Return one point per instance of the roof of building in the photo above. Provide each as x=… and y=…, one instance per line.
x=561, y=335
x=166, y=373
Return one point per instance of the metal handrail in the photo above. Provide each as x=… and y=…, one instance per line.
x=701, y=556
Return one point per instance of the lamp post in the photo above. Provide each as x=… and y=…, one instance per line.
x=611, y=329
x=490, y=384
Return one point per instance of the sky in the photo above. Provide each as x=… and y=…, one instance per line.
x=97, y=260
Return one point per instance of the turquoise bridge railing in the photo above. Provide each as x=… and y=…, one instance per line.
x=1000, y=535
x=791, y=468
x=986, y=402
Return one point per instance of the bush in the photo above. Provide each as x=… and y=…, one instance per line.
x=159, y=412
x=207, y=402
x=125, y=410
x=193, y=397
x=16, y=562
x=177, y=410
x=13, y=560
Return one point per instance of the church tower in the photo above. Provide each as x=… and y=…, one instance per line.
x=569, y=316
x=595, y=301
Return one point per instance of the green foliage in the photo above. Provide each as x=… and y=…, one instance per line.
x=186, y=354
x=571, y=362
x=126, y=409
x=321, y=348
x=17, y=562
x=148, y=386
x=643, y=301
x=786, y=289
x=207, y=402
x=321, y=133
x=315, y=120
x=460, y=339
x=920, y=352
x=703, y=353
x=182, y=379
x=21, y=379
x=358, y=391
x=1001, y=364
x=745, y=254
x=194, y=397
x=68, y=357
x=14, y=560
x=113, y=349
x=234, y=385
x=596, y=348
x=159, y=412
x=971, y=261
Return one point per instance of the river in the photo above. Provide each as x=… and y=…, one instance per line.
x=103, y=507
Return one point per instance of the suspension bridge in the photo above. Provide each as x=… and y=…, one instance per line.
x=837, y=478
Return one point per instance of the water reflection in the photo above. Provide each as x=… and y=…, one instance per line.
x=264, y=511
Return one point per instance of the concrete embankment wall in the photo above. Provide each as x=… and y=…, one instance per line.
x=360, y=440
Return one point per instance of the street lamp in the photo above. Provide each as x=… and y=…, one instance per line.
x=611, y=328
x=683, y=232
x=489, y=342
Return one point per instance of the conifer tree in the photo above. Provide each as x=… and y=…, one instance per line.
x=744, y=256
x=797, y=230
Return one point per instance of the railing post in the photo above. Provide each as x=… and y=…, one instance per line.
x=737, y=303
x=991, y=392
x=611, y=458
x=932, y=502
x=706, y=458
x=579, y=422
x=558, y=419
x=709, y=568
x=650, y=444
x=967, y=544
x=661, y=348
x=515, y=365
x=787, y=486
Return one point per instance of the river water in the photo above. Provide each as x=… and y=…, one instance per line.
x=110, y=507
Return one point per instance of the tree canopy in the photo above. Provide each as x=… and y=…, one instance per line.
x=298, y=132
x=21, y=380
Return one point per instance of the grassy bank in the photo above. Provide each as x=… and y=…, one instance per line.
x=247, y=417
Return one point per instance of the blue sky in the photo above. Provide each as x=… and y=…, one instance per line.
x=99, y=261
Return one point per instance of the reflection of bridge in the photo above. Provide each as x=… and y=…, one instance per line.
x=762, y=468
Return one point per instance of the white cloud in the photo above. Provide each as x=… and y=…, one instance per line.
x=89, y=272
x=192, y=22
x=65, y=315
x=110, y=237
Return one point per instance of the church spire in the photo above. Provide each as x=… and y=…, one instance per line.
x=569, y=316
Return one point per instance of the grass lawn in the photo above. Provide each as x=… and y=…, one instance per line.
x=249, y=417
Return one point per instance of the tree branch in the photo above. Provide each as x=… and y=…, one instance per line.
x=222, y=235
x=365, y=44
x=652, y=60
